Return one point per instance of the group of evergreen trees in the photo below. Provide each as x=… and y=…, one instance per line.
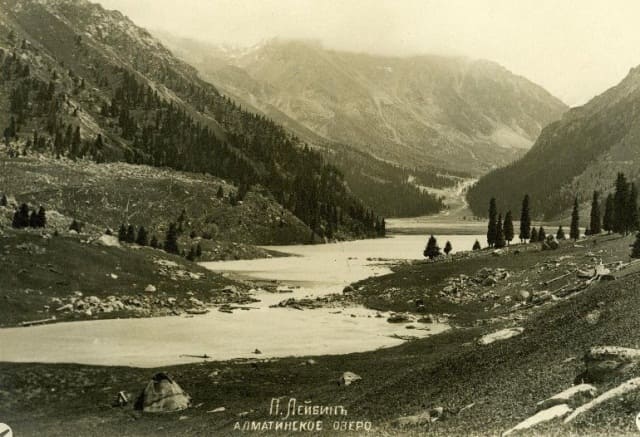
x=499, y=232
x=24, y=218
x=128, y=234
x=433, y=250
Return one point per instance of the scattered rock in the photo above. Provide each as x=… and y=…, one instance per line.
x=150, y=289
x=398, y=318
x=349, y=378
x=615, y=393
x=217, y=410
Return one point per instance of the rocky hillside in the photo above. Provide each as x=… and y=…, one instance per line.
x=82, y=82
x=107, y=195
x=576, y=155
x=454, y=113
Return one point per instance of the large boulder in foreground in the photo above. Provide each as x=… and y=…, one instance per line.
x=163, y=395
x=606, y=363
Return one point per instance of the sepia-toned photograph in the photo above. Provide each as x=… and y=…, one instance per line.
x=319, y=217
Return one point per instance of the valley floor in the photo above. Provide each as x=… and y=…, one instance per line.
x=482, y=389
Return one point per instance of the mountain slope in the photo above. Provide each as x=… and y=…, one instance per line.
x=435, y=111
x=574, y=156
x=78, y=80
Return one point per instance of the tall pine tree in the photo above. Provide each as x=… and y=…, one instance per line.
x=171, y=241
x=500, y=241
x=492, y=227
x=508, y=228
x=607, y=219
x=574, y=232
x=432, y=250
x=525, y=220
x=620, y=208
x=633, y=221
x=595, y=223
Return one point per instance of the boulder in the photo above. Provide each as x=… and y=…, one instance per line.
x=501, y=335
x=108, y=241
x=489, y=281
x=349, y=378
x=555, y=412
x=606, y=363
x=162, y=395
x=398, y=318
x=67, y=307
x=348, y=290
x=419, y=419
x=575, y=396
x=150, y=289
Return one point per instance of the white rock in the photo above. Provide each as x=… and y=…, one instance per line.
x=552, y=413
x=108, y=241
x=503, y=334
x=349, y=378
x=150, y=289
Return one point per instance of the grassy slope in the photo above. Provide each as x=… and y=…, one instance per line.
x=33, y=270
x=110, y=194
x=504, y=380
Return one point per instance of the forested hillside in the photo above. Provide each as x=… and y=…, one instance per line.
x=94, y=85
x=574, y=156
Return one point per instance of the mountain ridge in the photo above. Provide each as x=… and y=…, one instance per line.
x=422, y=109
x=576, y=155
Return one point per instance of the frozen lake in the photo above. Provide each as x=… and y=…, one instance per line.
x=276, y=332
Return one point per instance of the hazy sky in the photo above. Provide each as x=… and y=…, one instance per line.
x=574, y=48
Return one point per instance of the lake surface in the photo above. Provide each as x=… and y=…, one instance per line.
x=276, y=332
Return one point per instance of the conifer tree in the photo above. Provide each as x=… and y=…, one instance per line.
x=595, y=223
x=508, y=227
x=542, y=235
x=620, y=209
x=142, y=239
x=607, y=219
x=448, y=248
x=191, y=256
x=198, y=251
x=500, y=240
x=154, y=242
x=574, y=232
x=131, y=234
x=75, y=226
x=220, y=193
x=432, y=250
x=21, y=217
x=4, y=201
x=633, y=220
x=171, y=241
x=476, y=245
x=42, y=218
x=533, y=236
x=122, y=233
x=525, y=220
x=560, y=234
x=492, y=227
